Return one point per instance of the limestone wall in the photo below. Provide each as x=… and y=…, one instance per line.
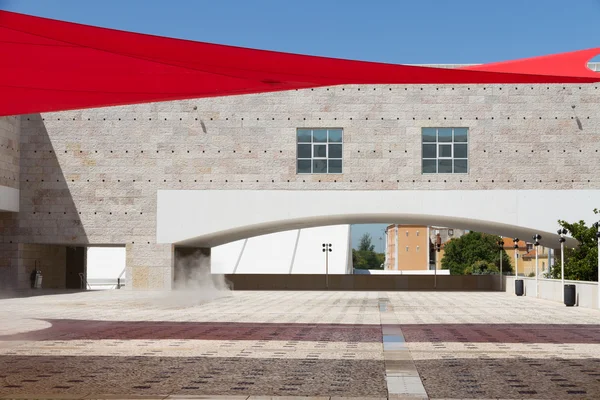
x=91, y=176
x=51, y=260
x=9, y=151
x=9, y=178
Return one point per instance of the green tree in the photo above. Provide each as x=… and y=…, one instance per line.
x=482, y=267
x=465, y=251
x=366, y=257
x=581, y=262
x=366, y=243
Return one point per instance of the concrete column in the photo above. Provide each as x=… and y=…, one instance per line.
x=149, y=266
x=51, y=260
x=10, y=131
x=9, y=265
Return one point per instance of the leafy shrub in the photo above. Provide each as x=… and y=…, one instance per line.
x=482, y=267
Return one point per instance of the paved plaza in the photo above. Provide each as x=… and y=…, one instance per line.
x=254, y=345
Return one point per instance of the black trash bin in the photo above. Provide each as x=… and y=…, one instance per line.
x=570, y=295
x=519, y=288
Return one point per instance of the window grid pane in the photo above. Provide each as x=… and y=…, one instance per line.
x=444, y=150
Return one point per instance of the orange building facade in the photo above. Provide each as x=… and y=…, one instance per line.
x=413, y=247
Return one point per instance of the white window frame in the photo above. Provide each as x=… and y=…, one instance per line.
x=313, y=157
x=438, y=157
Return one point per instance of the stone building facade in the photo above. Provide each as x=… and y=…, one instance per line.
x=90, y=177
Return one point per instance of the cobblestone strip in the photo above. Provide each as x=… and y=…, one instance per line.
x=402, y=377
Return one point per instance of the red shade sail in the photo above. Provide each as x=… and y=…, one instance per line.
x=50, y=65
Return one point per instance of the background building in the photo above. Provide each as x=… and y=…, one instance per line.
x=164, y=177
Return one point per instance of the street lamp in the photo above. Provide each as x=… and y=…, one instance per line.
x=536, y=243
x=519, y=283
x=597, y=226
x=327, y=250
x=562, y=232
x=516, y=246
x=438, y=248
x=501, y=247
x=385, y=254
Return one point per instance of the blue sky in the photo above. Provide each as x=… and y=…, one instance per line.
x=394, y=31
x=397, y=31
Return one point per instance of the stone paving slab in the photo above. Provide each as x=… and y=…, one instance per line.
x=359, y=345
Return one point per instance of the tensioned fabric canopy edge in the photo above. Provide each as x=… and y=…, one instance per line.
x=51, y=65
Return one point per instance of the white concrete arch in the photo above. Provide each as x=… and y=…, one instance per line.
x=212, y=218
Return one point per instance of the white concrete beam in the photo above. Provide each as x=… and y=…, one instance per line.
x=211, y=218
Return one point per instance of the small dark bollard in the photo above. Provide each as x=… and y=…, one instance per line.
x=519, y=288
x=569, y=295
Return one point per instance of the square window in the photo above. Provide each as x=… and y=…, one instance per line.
x=429, y=166
x=460, y=166
x=444, y=134
x=445, y=151
x=335, y=166
x=319, y=166
x=429, y=134
x=304, y=166
x=429, y=151
x=444, y=166
x=304, y=136
x=320, y=151
x=335, y=135
x=335, y=151
x=304, y=151
x=320, y=135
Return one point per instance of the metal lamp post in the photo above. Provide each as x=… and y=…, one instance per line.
x=438, y=247
x=516, y=242
x=562, y=232
x=501, y=247
x=597, y=225
x=385, y=253
x=536, y=243
x=327, y=250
